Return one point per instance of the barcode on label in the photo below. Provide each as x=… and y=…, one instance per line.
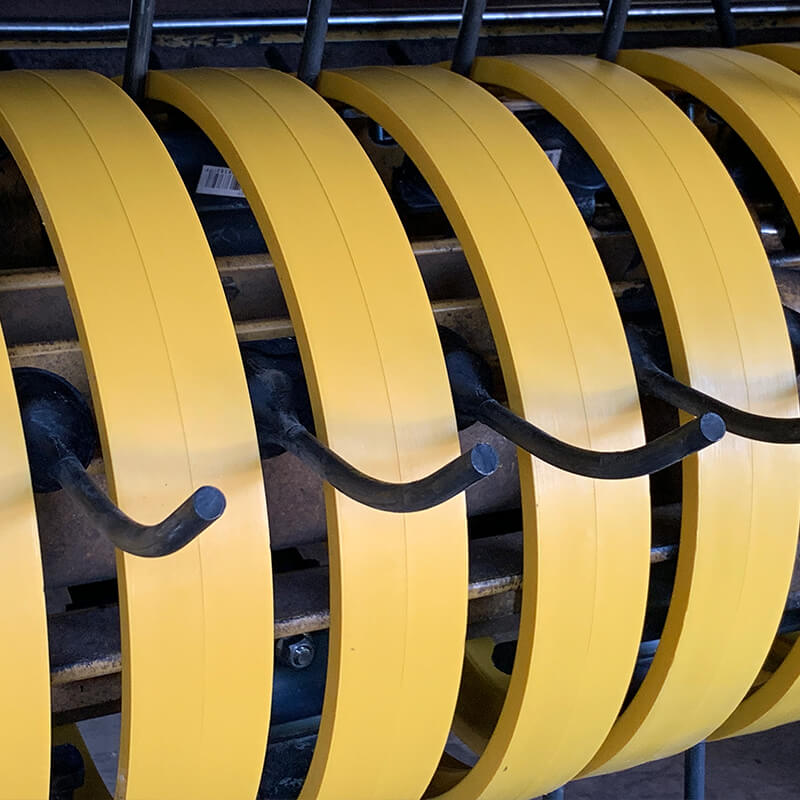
x=219, y=181
x=554, y=156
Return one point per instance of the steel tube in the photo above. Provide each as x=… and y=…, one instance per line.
x=694, y=772
x=137, y=54
x=469, y=32
x=314, y=41
x=613, y=29
x=201, y=25
x=725, y=23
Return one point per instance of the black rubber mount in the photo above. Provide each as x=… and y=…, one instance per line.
x=56, y=420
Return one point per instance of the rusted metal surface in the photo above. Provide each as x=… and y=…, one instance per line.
x=85, y=645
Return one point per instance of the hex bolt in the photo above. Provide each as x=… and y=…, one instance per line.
x=296, y=652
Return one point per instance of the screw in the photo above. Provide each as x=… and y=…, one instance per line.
x=296, y=652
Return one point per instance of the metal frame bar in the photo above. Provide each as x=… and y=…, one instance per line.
x=137, y=53
x=350, y=21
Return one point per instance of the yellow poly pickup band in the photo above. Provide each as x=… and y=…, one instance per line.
x=787, y=53
x=381, y=399
x=174, y=414
x=567, y=369
x=25, y=671
x=727, y=337
x=760, y=100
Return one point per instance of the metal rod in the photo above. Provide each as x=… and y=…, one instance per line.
x=694, y=772
x=319, y=12
x=725, y=22
x=276, y=390
x=183, y=525
x=652, y=457
x=400, y=498
x=208, y=25
x=613, y=29
x=655, y=382
x=469, y=33
x=470, y=381
x=137, y=52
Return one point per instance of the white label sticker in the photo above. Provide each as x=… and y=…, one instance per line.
x=553, y=155
x=219, y=181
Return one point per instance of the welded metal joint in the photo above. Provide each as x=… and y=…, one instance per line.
x=60, y=437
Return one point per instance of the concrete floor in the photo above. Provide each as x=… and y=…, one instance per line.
x=764, y=766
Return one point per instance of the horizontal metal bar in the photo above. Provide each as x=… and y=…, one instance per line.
x=577, y=13
x=85, y=643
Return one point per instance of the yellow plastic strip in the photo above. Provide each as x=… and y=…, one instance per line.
x=787, y=53
x=727, y=337
x=25, y=674
x=173, y=413
x=381, y=399
x=760, y=100
x=567, y=369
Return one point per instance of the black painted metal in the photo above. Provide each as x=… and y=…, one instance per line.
x=725, y=22
x=652, y=457
x=60, y=437
x=656, y=382
x=273, y=391
x=694, y=772
x=613, y=29
x=137, y=53
x=469, y=33
x=319, y=12
x=469, y=382
x=186, y=523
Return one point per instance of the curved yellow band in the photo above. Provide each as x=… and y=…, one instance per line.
x=174, y=414
x=760, y=100
x=381, y=399
x=787, y=53
x=566, y=368
x=727, y=337
x=25, y=673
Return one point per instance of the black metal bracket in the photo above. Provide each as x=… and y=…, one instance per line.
x=470, y=380
x=280, y=400
x=61, y=438
x=656, y=382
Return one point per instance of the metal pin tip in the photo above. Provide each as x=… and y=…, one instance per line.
x=712, y=426
x=208, y=503
x=484, y=459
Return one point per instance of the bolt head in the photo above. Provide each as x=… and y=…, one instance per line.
x=296, y=652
